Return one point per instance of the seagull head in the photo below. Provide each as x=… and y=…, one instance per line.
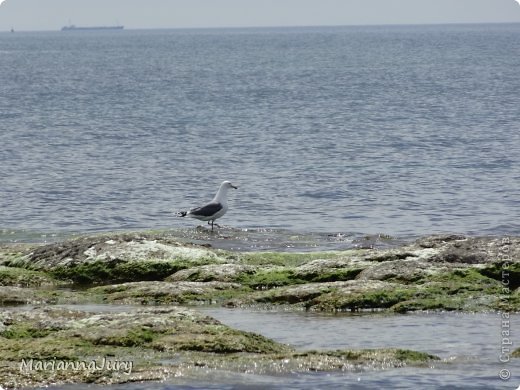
x=227, y=184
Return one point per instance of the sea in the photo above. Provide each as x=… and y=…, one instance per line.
x=337, y=137
x=399, y=131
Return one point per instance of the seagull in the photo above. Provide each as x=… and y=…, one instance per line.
x=212, y=210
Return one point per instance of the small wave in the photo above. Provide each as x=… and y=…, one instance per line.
x=11, y=236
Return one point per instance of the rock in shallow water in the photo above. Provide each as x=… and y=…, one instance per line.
x=448, y=272
x=47, y=345
x=437, y=273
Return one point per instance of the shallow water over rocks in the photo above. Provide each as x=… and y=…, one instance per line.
x=228, y=238
x=469, y=345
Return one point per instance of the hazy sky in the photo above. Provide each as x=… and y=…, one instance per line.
x=53, y=14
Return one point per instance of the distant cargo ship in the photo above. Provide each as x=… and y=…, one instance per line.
x=77, y=28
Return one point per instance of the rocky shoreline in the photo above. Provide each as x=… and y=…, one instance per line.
x=161, y=278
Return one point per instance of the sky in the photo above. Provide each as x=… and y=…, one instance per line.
x=37, y=15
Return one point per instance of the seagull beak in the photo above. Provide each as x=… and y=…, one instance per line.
x=235, y=187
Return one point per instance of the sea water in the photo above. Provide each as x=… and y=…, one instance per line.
x=336, y=137
x=399, y=130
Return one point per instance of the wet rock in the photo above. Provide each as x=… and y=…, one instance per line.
x=329, y=296
x=389, y=255
x=142, y=338
x=115, y=258
x=355, y=295
x=323, y=361
x=213, y=272
x=290, y=259
x=112, y=248
x=443, y=271
x=14, y=295
x=448, y=289
x=439, y=240
x=325, y=270
x=12, y=252
x=406, y=271
x=168, y=292
x=449, y=272
x=159, y=343
x=298, y=294
x=19, y=277
x=478, y=250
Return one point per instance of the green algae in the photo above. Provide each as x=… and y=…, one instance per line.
x=12, y=253
x=152, y=337
x=270, y=278
x=24, y=331
x=223, y=340
x=451, y=290
x=323, y=361
x=13, y=295
x=116, y=271
x=133, y=337
x=419, y=279
x=333, y=275
x=368, y=300
x=136, y=333
x=402, y=355
x=508, y=273
x=466, y=276
x=287, y=259
x=389, y=256
x=165, y=293
x=276, y=277
x=428, y=304
x=407, y=355
x=20, y=277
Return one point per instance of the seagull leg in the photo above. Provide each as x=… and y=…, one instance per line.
x=212, y=225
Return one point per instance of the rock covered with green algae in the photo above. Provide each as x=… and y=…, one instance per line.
x=145, y=337
x=226, y=272
x=433, y=273
x=114, y=258
x=447, y=272
x=167, y=292
x=47, y=345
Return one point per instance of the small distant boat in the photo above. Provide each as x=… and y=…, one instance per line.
x=73, y=27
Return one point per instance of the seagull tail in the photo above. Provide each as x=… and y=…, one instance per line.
x=182, y=213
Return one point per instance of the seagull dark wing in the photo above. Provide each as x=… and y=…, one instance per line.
x=207, y=210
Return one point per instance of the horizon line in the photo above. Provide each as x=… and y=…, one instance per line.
x=12, y=29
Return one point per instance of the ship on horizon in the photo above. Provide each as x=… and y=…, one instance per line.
x=72, y=27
